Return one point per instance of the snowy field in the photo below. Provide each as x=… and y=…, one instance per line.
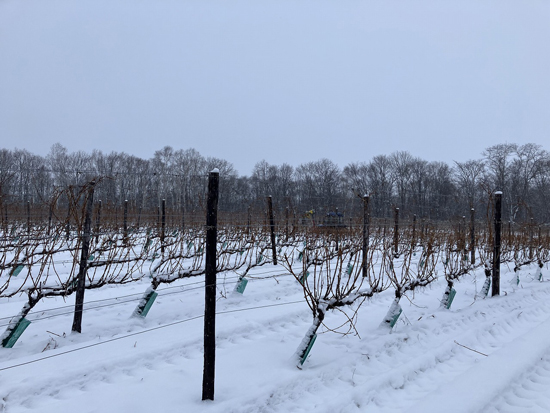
x=486, y=355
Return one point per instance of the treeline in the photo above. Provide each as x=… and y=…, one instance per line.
x=431, y=190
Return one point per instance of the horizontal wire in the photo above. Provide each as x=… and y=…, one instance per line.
x=145, y=331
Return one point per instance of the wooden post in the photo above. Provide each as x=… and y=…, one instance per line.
x=5, y=219
x=287, y=212
x=139, y=219
x=463, y=237
x=28, y=217
x=182, y=217
x=396, y=233
x=81, y=280
x=337, y=230
x=125, y=235
x=472, y=236
x=210, y=287
x=366, y=234
x=158, y=220
x=50, y=214
x=68, y=223
x=272, y=228
x=248, y=222
x=496, y=249
x=413, y=236
x=163, y=227
x=98, y=219
x=531, y=230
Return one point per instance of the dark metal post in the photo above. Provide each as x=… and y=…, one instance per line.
x=531, y=230
x=28, y=217
x=68, y=223
x=139, y=218
x=125, y=220
x=286, y=222
x=81, y=280
x=496, y=250
x=210, y=287
x=163, y=227
x=366, y=233
x=413, y=236
x=98, y=218
x=472, y=236
x=50, y=214
x=272, y=228
x=248, y=222
x=396, y=233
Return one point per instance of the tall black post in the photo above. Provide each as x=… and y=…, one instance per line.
x=248, y=222
x=50, y=215
x=182, y=217
x=210, y=287
x=366, y=233
x=531, y=229
x=472, y=236
x=98, y=219
x=413, y=236
x=287, y=212
x=163, y=227
x=496, y=250
x=28, y=217
x=81, y=280
x=396, y=233
x=125, y=220
x=138, y=219
x=272, y=228
x=68, y=223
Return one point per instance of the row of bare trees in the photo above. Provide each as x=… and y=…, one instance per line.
x=433, y=190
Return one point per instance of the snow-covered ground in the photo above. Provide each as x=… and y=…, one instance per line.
x=489, y=355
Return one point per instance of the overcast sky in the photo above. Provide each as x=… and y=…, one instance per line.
x=282, y=80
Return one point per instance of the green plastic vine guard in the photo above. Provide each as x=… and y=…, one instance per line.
x=12, y=338
x=260, y=258
x=300, y=256
x=540, y=276
x=189, y=246
x=303, y=278
x=349, y=269
x=91, y=257
x=224, y=244
x=154, y=257
x=452, y=294
x=147, y=245
x=241, y=285
x=517, y=279
x=486, y=285
x=395, y=317
x=150, y=299
x=308, y=349
x=17, y=270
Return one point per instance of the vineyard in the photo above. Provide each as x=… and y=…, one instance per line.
x=346, y=299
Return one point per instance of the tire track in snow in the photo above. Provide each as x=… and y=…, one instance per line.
x=417, y=359
x=89, y=375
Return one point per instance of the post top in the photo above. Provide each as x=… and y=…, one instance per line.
x=498, y=192
x=215, y=171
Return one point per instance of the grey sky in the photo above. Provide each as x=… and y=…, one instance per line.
x=281, y=80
